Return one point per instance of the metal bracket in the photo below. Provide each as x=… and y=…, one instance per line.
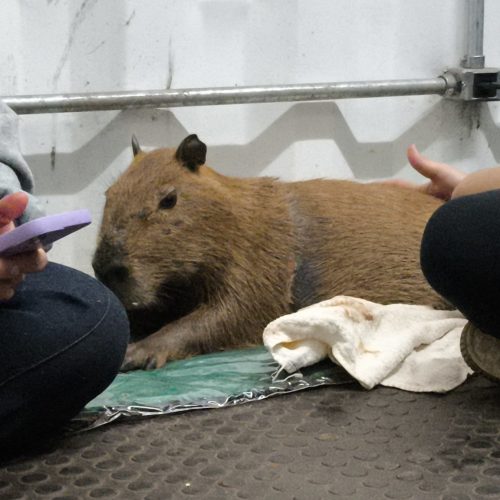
x=482, y=84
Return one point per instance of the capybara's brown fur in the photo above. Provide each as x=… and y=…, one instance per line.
x=209, y=260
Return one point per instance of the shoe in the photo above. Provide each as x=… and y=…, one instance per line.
x=481, y=352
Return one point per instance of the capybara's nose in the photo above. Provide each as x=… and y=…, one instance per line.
x=110, y=273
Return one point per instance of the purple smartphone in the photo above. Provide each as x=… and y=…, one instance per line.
x=42, y=231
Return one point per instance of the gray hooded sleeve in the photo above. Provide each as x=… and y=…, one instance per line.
x=15, y=174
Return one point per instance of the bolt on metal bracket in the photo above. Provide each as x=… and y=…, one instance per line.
x=481, y=84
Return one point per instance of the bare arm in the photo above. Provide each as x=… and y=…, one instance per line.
x=477, y=182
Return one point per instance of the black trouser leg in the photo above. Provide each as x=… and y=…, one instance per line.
x=62, y=340
x=460, y=257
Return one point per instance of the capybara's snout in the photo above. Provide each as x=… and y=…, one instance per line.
x=109, y=265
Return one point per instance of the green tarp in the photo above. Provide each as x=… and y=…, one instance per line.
x=208, y=381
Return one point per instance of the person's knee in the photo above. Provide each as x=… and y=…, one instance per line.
x=439, y=248
x=42, y=396
x=105, y=348
x=460, y=246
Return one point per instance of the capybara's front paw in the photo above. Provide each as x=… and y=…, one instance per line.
x=140, y=357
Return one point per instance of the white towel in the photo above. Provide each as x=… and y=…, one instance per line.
x=415, y=348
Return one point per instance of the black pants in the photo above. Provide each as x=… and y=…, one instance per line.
x=62, y=340
x=460, y=257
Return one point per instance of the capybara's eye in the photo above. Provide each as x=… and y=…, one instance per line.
x=169, y=199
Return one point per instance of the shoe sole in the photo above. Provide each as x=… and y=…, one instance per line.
x=481, y=352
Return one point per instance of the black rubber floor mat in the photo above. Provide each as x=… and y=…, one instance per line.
x=330, y=442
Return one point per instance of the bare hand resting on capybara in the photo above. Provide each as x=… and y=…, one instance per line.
x=202, y=261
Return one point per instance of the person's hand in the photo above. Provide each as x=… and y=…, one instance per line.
x=14, y=268
x=443, y=178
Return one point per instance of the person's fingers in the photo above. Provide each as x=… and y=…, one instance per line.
x=8, y=270
x=7, y=294
x=423, y=188
x=8, y=227
x=401, y=183
x=12, y=206
x=6, y=291
x=428, y=168
x=29, y=262
x=18, y=280
x=12, y=282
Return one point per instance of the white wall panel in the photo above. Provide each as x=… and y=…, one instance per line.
x=101, y=45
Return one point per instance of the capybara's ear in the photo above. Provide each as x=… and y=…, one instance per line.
x=136, y=148
x=191, y=152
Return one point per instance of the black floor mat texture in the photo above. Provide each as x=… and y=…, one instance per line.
x=330, y=442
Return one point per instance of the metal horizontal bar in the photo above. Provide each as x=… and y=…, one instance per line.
x=62, y=103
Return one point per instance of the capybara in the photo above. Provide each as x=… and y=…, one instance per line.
x=203, y=261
